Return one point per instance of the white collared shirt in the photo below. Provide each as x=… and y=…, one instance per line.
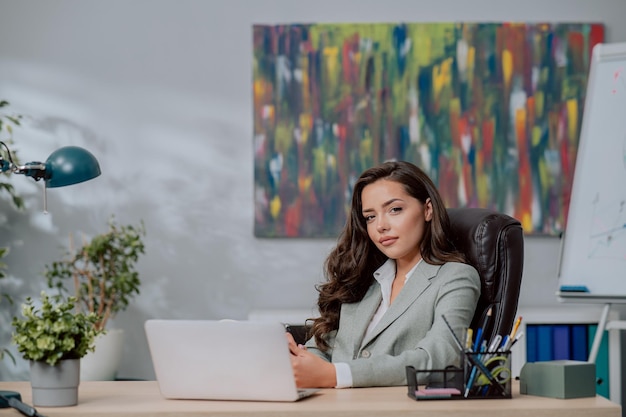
x=385, y=276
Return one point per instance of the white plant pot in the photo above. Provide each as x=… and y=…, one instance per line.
x=102, y=364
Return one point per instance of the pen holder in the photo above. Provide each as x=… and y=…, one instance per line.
x=481, y=376
x=487, y=375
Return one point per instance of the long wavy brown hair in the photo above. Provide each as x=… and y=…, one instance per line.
x=350, y=267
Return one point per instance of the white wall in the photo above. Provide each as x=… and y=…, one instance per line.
x=160, y=92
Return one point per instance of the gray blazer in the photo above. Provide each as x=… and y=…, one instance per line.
x=411, y=332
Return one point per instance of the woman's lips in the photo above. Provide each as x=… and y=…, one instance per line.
x=386, y=241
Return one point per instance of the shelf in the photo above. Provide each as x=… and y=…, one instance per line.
x=570, y=313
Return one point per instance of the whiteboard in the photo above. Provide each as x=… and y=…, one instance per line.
x=594, y=243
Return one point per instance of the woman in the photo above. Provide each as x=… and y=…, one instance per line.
x=391, y=277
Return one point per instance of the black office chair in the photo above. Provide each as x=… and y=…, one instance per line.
x=494, y=244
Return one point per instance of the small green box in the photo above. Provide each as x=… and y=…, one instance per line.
x=559, y=379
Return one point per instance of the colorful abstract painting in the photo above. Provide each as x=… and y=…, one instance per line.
x=492, y=112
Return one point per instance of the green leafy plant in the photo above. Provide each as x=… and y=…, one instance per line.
x=3, y=266
x=7, y=123
x=102, y=271
x=7, y=297
x=54, y=331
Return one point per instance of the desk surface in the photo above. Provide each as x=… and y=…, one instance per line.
x=142, y=398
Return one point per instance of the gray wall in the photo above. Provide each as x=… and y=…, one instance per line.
x=160, y=92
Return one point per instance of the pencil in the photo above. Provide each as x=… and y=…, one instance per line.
x=486, y=320
x=481, y=330
x=469, y=337
x=515, y=327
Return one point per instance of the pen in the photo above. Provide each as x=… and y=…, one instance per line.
x=505, y=342
x=470, y=380
x=518, y=337
x=512, y=341
x=495, y=343
x=477, y=341
x=473, y=374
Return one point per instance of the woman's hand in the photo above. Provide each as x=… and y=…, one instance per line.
x=309, y=370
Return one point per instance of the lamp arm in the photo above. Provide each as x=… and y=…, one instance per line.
x=35, y=170
x=4, y=164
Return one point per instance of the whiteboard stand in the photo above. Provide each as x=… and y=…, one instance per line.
x=615, y=359
x=615, y=354
x=593, y=354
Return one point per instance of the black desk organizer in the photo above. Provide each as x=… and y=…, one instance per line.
x=491, y=380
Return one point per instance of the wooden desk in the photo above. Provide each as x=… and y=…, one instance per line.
x=142, y=399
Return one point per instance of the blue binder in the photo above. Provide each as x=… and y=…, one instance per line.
x=561, y=341
x=545, y=343
x=531, y=343
x=580, y=351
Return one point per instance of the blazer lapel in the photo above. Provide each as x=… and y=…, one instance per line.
x=413, y=288
x=364, y=313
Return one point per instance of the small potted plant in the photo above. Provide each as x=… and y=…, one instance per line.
x=104, y=280
x=53, y=338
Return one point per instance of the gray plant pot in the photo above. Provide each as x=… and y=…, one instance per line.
x=55, y=386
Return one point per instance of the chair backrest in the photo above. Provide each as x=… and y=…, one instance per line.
x=494, y=244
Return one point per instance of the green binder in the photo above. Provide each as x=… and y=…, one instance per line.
x=602, y=362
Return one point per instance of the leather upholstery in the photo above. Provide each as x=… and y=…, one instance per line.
x=494, y=244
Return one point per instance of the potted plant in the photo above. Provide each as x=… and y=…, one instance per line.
x=53, y=338
x=104, y=279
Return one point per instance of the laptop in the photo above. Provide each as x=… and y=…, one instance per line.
x=222, y=360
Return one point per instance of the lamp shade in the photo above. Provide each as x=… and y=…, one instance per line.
x=70, y=165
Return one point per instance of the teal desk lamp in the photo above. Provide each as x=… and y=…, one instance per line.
x=65, y=166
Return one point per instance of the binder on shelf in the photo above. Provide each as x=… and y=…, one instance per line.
x=580, y=351
x=531, y=343
x=545, y=345
x=602, y=363
x=561, y=341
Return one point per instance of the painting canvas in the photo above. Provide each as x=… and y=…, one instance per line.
x=491, y=111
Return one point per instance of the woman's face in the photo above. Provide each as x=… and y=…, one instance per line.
x=395, y=220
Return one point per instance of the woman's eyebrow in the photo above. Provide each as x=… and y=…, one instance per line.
x=385, y=204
